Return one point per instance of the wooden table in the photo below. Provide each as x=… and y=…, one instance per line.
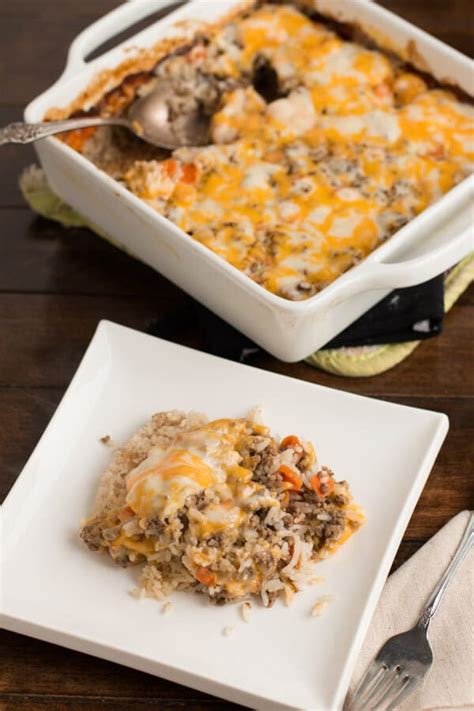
x=56, y=284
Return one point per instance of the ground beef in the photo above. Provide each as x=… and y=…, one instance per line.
x=154, y=527
x=264, y=471
x=123, y=557
x=91, y=534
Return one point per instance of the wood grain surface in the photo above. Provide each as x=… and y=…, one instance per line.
x=56, y=284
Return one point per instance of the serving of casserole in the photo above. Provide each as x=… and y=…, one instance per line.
x=322, y=146
x=221, y=508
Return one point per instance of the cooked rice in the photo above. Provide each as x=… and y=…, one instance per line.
x=319, y=606
x=167, y=609
x=138, y=593
x=245, y=611
x=291, y=512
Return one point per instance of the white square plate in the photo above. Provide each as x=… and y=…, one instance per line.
x=55, y=589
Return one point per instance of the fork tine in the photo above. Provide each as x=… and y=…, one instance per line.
x=408, y=684
x=370, y=675
x=382, y=688
x=396, y=687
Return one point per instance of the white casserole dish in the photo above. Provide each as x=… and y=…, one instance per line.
x=424, y=248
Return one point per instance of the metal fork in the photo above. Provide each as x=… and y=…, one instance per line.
x=404, y=660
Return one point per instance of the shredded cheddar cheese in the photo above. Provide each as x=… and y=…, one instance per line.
x=296, y=190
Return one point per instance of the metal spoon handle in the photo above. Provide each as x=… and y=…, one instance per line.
x=28, y=132
x=461, y=552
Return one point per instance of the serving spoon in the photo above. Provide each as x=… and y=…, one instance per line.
x=149, y=118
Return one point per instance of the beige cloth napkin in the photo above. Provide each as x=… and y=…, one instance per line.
x=450, y=682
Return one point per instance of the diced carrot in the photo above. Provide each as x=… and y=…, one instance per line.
x=170, y=167
x=285, y=500
x=76, y=139
x=205, y=577
x=291, y=477
x=322, y=489
x=290, y=441
x=189, y=173
x=197, y=54
x=383, y=91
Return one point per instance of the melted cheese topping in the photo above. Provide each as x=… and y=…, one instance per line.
x=204, y=459
x=163, y=482
x=144, y=547
x=297, y=191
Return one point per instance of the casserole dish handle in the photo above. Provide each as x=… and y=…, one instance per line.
x=402, y=274
x=107, y=27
